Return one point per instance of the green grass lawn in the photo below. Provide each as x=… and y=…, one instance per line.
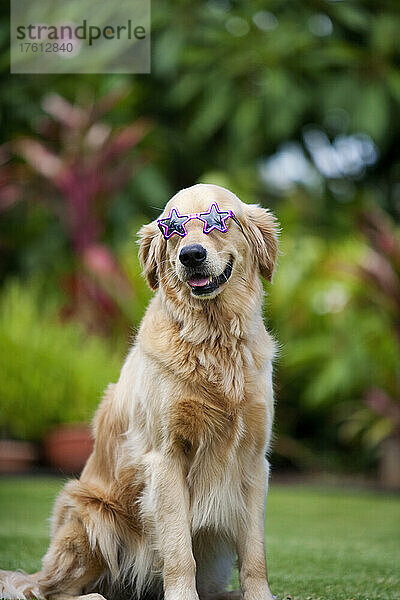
x=322, y=544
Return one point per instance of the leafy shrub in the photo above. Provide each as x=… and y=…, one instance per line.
x=51, y=372
x=338, y=369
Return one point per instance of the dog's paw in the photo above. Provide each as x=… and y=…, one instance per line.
x=257, y=589
x=180, y=594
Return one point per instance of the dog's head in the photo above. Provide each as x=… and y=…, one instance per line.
x=207, y=241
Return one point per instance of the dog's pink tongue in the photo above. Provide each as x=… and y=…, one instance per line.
x=197, y=282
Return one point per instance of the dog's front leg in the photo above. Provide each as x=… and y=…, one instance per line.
x=170, y=499
x=251, y=539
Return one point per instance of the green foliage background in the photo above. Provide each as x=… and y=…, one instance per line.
x=232, y=82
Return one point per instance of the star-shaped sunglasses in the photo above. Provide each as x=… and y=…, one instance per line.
x=213, y=218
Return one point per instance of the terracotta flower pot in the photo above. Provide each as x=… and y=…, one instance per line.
x=68, y=447
x=16, y=456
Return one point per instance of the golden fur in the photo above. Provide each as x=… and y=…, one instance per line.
x=175, y=487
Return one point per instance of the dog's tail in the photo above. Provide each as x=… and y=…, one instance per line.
x=17, y=585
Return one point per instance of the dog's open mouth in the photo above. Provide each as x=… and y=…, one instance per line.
x=208, y=285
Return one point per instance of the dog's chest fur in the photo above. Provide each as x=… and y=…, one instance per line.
x=219, y=455
x=211, y=356
x=215, y=413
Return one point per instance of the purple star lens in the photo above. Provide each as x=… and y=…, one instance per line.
x=215, y=219
x=173, y=224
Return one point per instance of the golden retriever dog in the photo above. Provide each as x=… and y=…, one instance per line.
x=174, y=491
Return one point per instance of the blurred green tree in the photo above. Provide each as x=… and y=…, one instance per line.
x=233, y=80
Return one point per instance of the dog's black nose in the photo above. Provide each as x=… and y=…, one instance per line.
x=192, y=255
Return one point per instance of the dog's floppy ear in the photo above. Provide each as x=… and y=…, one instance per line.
x=150, y=252
x=261, y=230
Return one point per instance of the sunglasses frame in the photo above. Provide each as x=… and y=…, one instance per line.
x=226, y=214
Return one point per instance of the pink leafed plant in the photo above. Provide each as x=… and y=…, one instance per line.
x=380, y=273
x=81, y=162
